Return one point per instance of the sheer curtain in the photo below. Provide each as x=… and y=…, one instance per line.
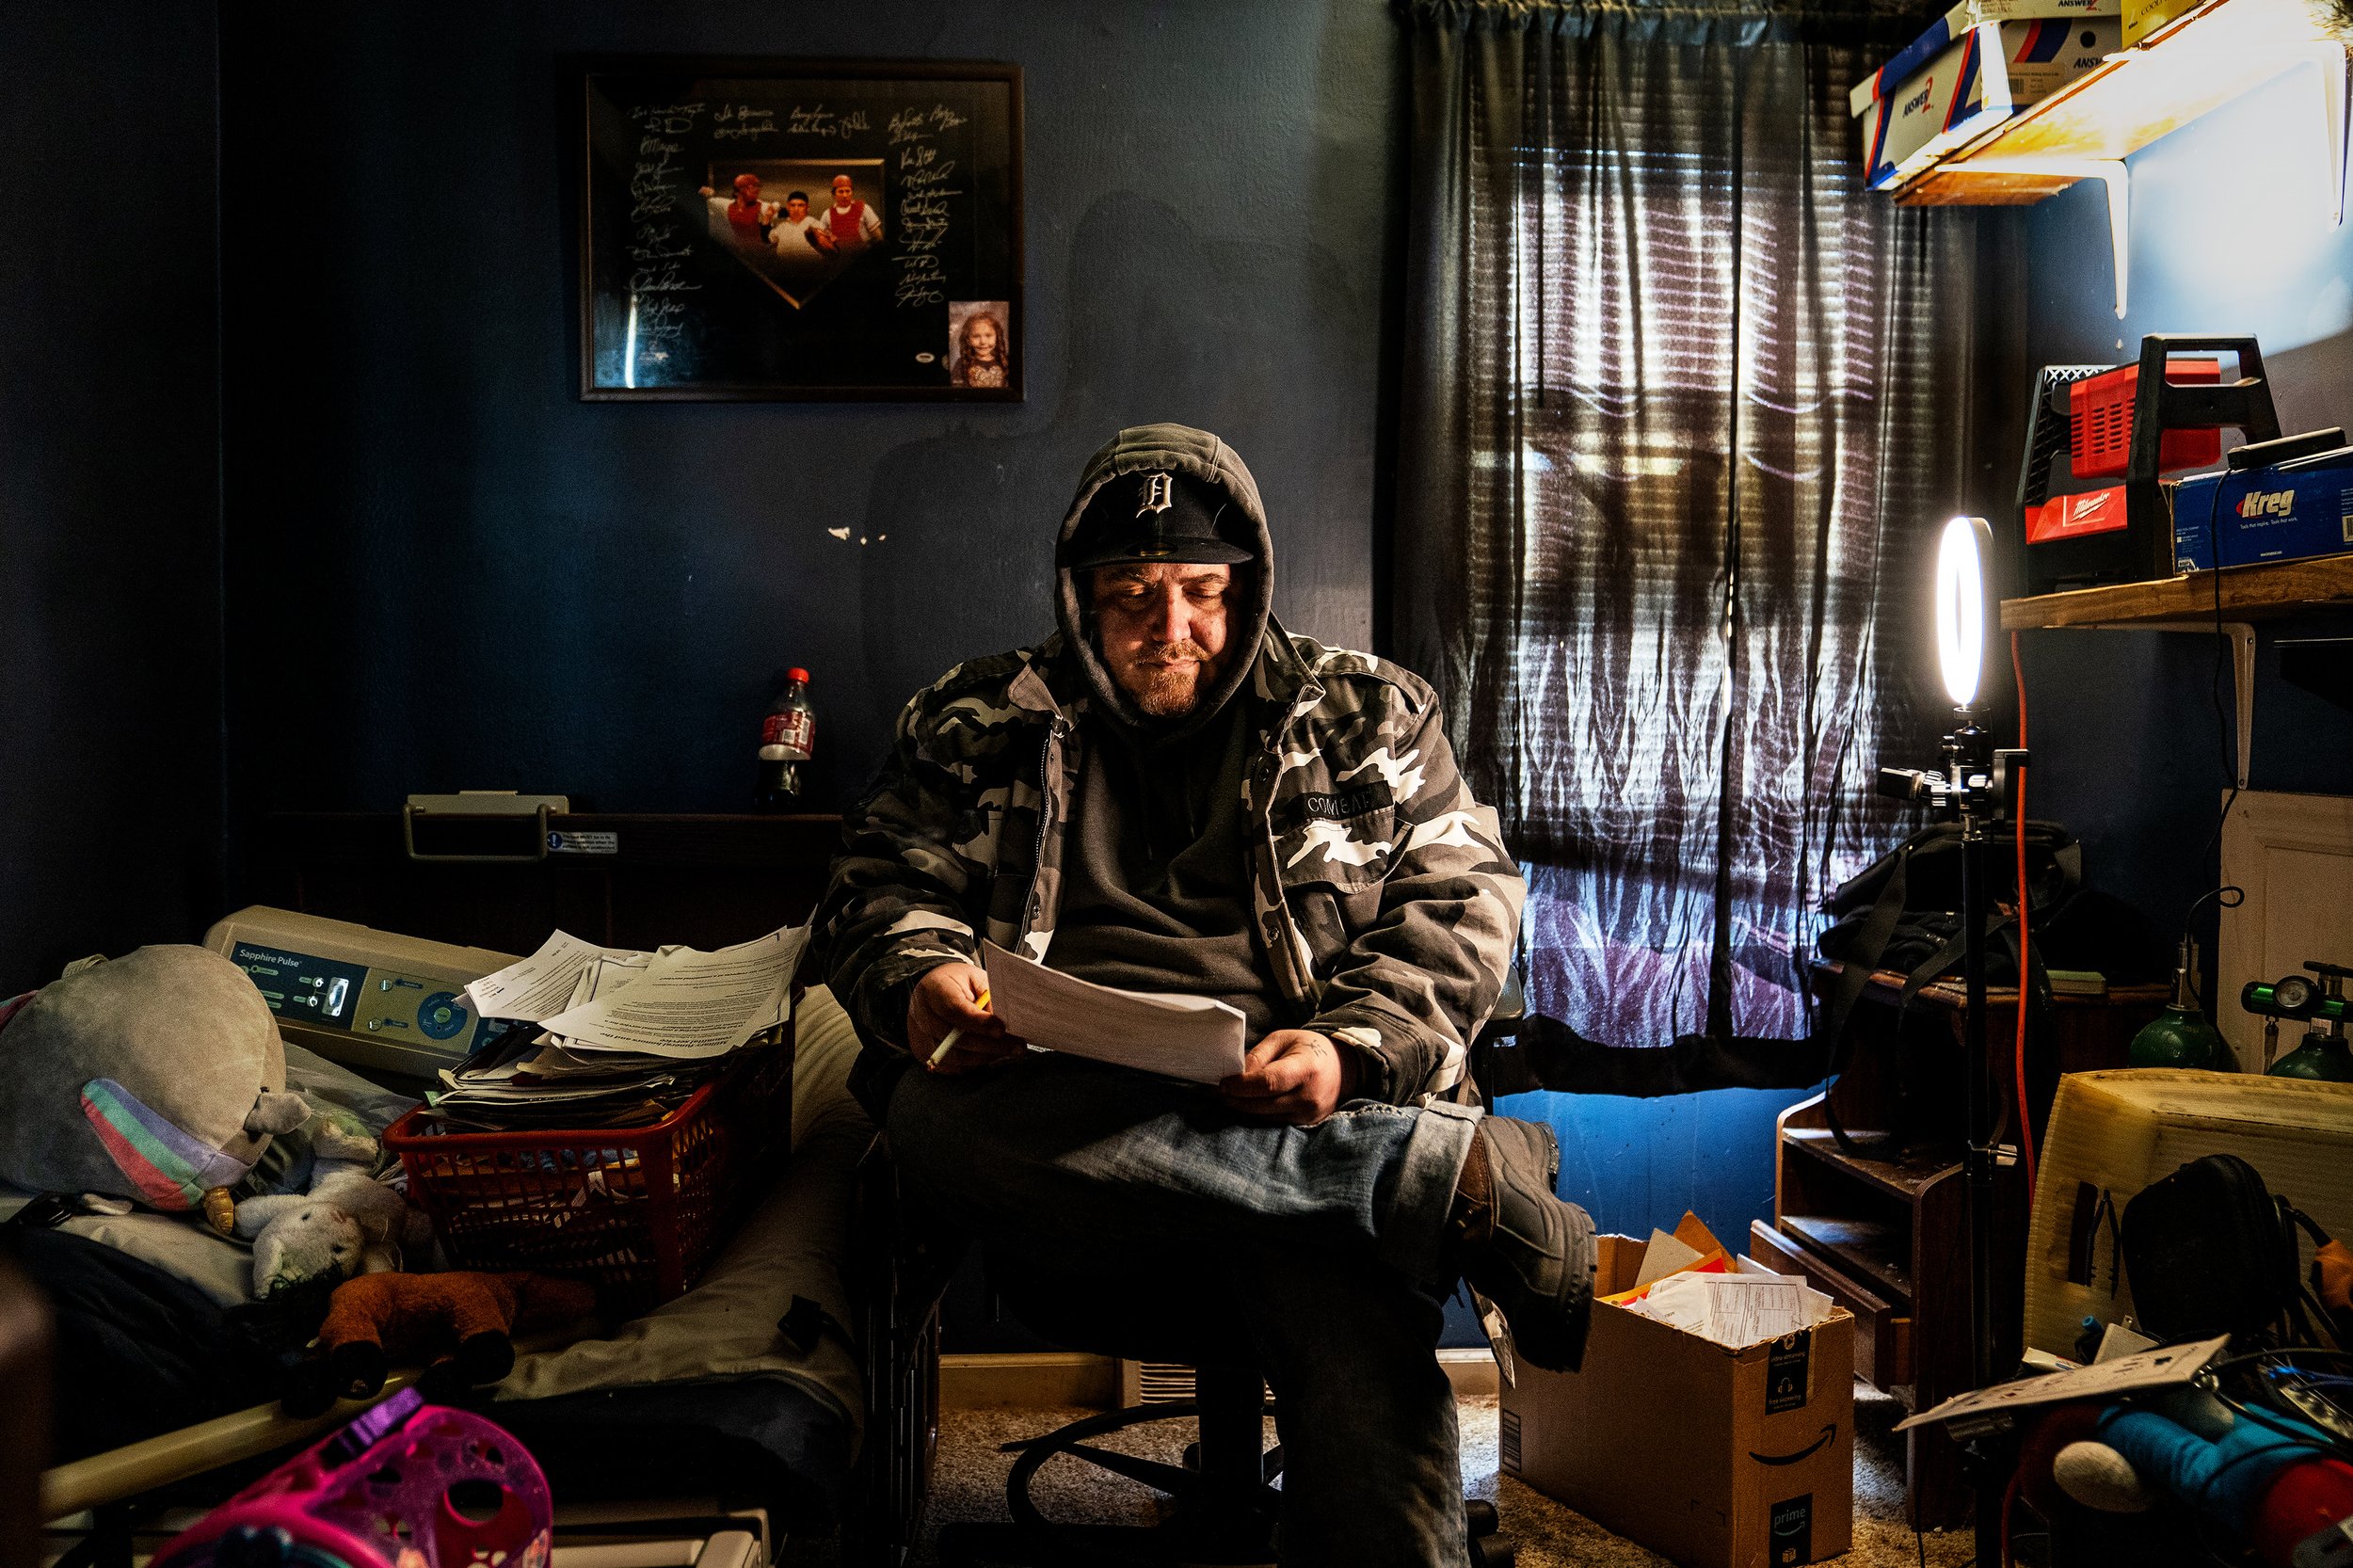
x=1683, y=407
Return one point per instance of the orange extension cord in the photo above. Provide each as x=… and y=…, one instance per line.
x=2025, y=1122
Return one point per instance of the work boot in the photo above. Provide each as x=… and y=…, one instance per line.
x=1521, y=1247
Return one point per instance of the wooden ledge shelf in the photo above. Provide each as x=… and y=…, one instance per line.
x=2272, y=588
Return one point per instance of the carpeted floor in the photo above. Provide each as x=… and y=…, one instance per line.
x=971, y=1476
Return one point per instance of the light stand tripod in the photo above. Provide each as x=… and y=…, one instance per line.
x=1976, y=786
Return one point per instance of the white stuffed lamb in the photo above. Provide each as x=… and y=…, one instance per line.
x=347, y=1225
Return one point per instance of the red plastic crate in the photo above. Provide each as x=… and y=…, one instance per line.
x=639, y=1211
x=2100, y=442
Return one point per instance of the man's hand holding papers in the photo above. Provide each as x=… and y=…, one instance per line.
x=1293, y=1074
x=987, y=1017
x=1195, y=1038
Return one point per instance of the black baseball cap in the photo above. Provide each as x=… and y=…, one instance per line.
x=1154, y=515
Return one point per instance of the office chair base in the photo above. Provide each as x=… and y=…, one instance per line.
x=1219, y=1518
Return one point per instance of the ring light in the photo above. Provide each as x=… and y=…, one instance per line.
x=1961, y=606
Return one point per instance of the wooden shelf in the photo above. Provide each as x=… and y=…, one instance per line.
x=1887, y=985
x=1899, y=1178
x=2272, y=588
x=2190, y=66
x=1874, y=1250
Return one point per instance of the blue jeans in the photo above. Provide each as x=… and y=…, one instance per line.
x=1323, y=1246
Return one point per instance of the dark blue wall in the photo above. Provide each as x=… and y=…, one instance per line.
x=448, y=572
x=2228, y=235
x=110, y=795
x=1638, y=1165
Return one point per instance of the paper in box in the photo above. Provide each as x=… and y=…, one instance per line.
x=1972, y=85
x=1716, y=1456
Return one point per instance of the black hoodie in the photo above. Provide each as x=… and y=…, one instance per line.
x=1156, y=889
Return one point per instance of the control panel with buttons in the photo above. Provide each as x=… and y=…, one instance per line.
x=358, y=996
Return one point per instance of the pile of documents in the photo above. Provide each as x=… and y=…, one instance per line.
x=1689, y=1280
x=1199, y=1039
x=622, y=1037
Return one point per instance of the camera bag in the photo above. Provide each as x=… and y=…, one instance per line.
x=2209, y=1250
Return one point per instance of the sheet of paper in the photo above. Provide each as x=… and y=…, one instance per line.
x=1662, y=1256
x=1693, y=1233
x=2163, y=1368
x=686, y=1003
x=600, y=978
x=1199, y=1038
x=540, y=985
x=1734, y=1310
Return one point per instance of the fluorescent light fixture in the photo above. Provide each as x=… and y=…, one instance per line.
x=1960, y=562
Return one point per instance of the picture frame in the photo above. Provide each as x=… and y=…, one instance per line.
x=795, y=229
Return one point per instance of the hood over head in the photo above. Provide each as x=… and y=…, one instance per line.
x=1211, y=513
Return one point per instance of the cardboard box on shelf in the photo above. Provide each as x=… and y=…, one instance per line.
x=1941, y=33
x=2143, y=17
x=2281, y=513
x=1716, y=1455
x=1989, y=74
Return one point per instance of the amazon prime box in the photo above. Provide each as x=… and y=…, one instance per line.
x=1718, y=1456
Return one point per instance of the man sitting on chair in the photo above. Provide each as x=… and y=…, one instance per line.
x=1173, y=795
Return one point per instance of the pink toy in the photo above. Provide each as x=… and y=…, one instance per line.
x=406, y=1485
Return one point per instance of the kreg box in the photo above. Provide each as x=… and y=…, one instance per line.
x=1716, y=1457
x=2268, y=514
x=1972, y=85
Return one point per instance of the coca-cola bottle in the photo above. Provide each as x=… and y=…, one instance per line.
x=787, y=736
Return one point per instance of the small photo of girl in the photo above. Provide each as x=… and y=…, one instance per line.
x=980, y=352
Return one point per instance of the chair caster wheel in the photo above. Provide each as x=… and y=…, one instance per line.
x=1491, y=1551
x=1479, y=1514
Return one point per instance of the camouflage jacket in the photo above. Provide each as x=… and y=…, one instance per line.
x=1386, y=904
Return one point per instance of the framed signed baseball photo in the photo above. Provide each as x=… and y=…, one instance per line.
x=800, y=230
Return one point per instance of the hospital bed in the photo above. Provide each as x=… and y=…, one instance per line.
x=700, y=1434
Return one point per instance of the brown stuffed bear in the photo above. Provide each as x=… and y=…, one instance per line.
x=376, y=1317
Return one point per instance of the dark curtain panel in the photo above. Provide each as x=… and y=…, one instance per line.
x=1683, y=409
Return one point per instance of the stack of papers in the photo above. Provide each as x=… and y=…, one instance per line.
x=1690, y=1281
x=1692, y=1248
x=1199, y=1039
x=623, y=1037
x=1734, y=1310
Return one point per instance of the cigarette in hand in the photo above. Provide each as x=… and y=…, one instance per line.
x=948, y=1042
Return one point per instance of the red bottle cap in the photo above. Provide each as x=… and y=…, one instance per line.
x=799, y=675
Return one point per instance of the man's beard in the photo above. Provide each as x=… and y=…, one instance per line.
x=1169, y=691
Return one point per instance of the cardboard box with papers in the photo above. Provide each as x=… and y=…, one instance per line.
x=1713, y=1418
